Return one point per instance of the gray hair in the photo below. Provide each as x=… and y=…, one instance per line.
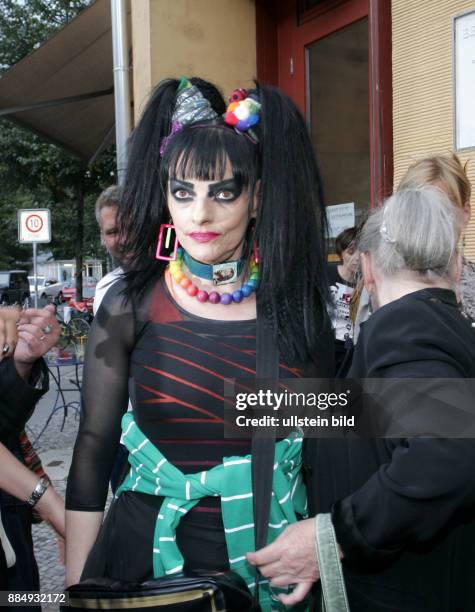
x=109, y=197
x=416, y=230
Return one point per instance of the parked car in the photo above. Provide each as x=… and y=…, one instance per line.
x=49, y=290
x=88, y=289
x=14, y=287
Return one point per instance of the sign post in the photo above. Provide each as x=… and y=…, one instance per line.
x=34, y=226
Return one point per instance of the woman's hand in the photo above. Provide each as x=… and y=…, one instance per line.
x=8, y=331
x=290, y=560
x=38, y=332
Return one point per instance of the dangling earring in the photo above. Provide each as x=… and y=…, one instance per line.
x=255, y=250
x=167, y=246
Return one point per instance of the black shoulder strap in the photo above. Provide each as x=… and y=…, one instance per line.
x=263, y=441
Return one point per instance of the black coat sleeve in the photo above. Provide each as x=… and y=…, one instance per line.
x=17, y=397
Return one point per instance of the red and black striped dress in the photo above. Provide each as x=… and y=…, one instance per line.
x=176, y=364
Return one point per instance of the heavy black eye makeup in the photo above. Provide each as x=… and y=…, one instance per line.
x=183, y=191
x=224, y=191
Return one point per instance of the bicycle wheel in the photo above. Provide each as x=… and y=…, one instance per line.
x=79, y=328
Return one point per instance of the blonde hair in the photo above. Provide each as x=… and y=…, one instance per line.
x=446, y=172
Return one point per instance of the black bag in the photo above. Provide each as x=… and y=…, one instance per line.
x=180, y=593
x=199, y=592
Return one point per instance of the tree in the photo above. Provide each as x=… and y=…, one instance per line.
x=34, y=173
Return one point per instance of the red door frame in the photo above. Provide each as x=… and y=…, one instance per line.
x=281, y=43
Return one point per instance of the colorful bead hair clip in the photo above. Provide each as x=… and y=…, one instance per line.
x=243, y=112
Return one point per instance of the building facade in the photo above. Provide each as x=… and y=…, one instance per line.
x=374, y=78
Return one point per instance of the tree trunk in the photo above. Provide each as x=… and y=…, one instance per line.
x=79, y=238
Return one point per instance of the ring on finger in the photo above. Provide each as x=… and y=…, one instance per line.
x=5, y=349
x=47, y=329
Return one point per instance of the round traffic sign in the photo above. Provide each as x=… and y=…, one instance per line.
x=34, y=223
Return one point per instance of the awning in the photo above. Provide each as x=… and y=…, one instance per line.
x=63, y=90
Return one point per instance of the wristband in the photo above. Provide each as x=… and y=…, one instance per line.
x=37, y=492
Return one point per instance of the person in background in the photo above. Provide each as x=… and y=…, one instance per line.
x=25, y=336
x=403, y=509
x=342, y=278
x=447, y=173
x=107, y=205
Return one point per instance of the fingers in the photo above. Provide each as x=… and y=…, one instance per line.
x=298, y=594
x=8, y=337
x=265, y=556
x=45, y=321
x=42, y=318
x=272, y=569
x=283, y=580
x=32, y=330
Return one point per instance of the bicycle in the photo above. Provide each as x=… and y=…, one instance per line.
x=72, y=331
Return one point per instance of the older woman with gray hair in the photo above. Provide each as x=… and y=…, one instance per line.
x=403, y=510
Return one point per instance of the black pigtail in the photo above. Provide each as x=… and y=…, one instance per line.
x=143, y=205
x=290, y=228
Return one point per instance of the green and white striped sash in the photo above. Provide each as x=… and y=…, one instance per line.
x=231, y=480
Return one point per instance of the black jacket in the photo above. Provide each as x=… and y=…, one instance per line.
x=18, y=398
x=404, y=509
x=17, y=402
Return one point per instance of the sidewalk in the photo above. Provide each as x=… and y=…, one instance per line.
x=55, y=448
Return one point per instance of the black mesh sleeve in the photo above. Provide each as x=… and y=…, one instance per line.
x=104, y=401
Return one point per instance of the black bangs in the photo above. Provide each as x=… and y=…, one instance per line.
x=202, y=153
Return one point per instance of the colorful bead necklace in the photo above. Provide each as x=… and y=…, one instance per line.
x=214, y=297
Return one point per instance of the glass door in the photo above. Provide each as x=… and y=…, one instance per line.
x=338, y=113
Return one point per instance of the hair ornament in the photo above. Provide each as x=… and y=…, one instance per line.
x=383, y=230
x=243, y=112
x=190, y=107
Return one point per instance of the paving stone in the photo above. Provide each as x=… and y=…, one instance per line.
x=55, y=448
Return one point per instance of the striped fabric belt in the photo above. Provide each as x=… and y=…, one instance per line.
x=231, y=480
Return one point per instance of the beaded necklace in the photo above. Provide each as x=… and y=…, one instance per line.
x=213, y=297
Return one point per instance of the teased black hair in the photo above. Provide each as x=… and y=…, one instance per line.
x=290, y=224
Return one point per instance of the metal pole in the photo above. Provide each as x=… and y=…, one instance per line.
x=120, y=51
x=35, y=273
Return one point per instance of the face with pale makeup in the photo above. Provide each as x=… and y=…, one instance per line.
x=210, y=217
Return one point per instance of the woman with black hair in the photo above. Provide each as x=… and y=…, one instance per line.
x=244, y=196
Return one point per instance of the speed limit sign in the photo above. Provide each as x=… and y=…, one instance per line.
x=34, y=225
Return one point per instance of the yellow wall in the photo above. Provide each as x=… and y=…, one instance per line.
x=213, y=39
x=423, y=86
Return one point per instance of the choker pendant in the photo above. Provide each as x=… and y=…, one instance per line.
x=219, y=274
x=225, y=273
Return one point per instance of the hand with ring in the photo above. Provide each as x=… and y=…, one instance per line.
x=8, y=331
x=38, y=332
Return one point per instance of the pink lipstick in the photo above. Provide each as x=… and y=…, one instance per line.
x=203, y=236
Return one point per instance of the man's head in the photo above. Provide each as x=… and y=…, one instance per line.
x=107, y=206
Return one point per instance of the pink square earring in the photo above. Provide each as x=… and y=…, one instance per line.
x=167, y=246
